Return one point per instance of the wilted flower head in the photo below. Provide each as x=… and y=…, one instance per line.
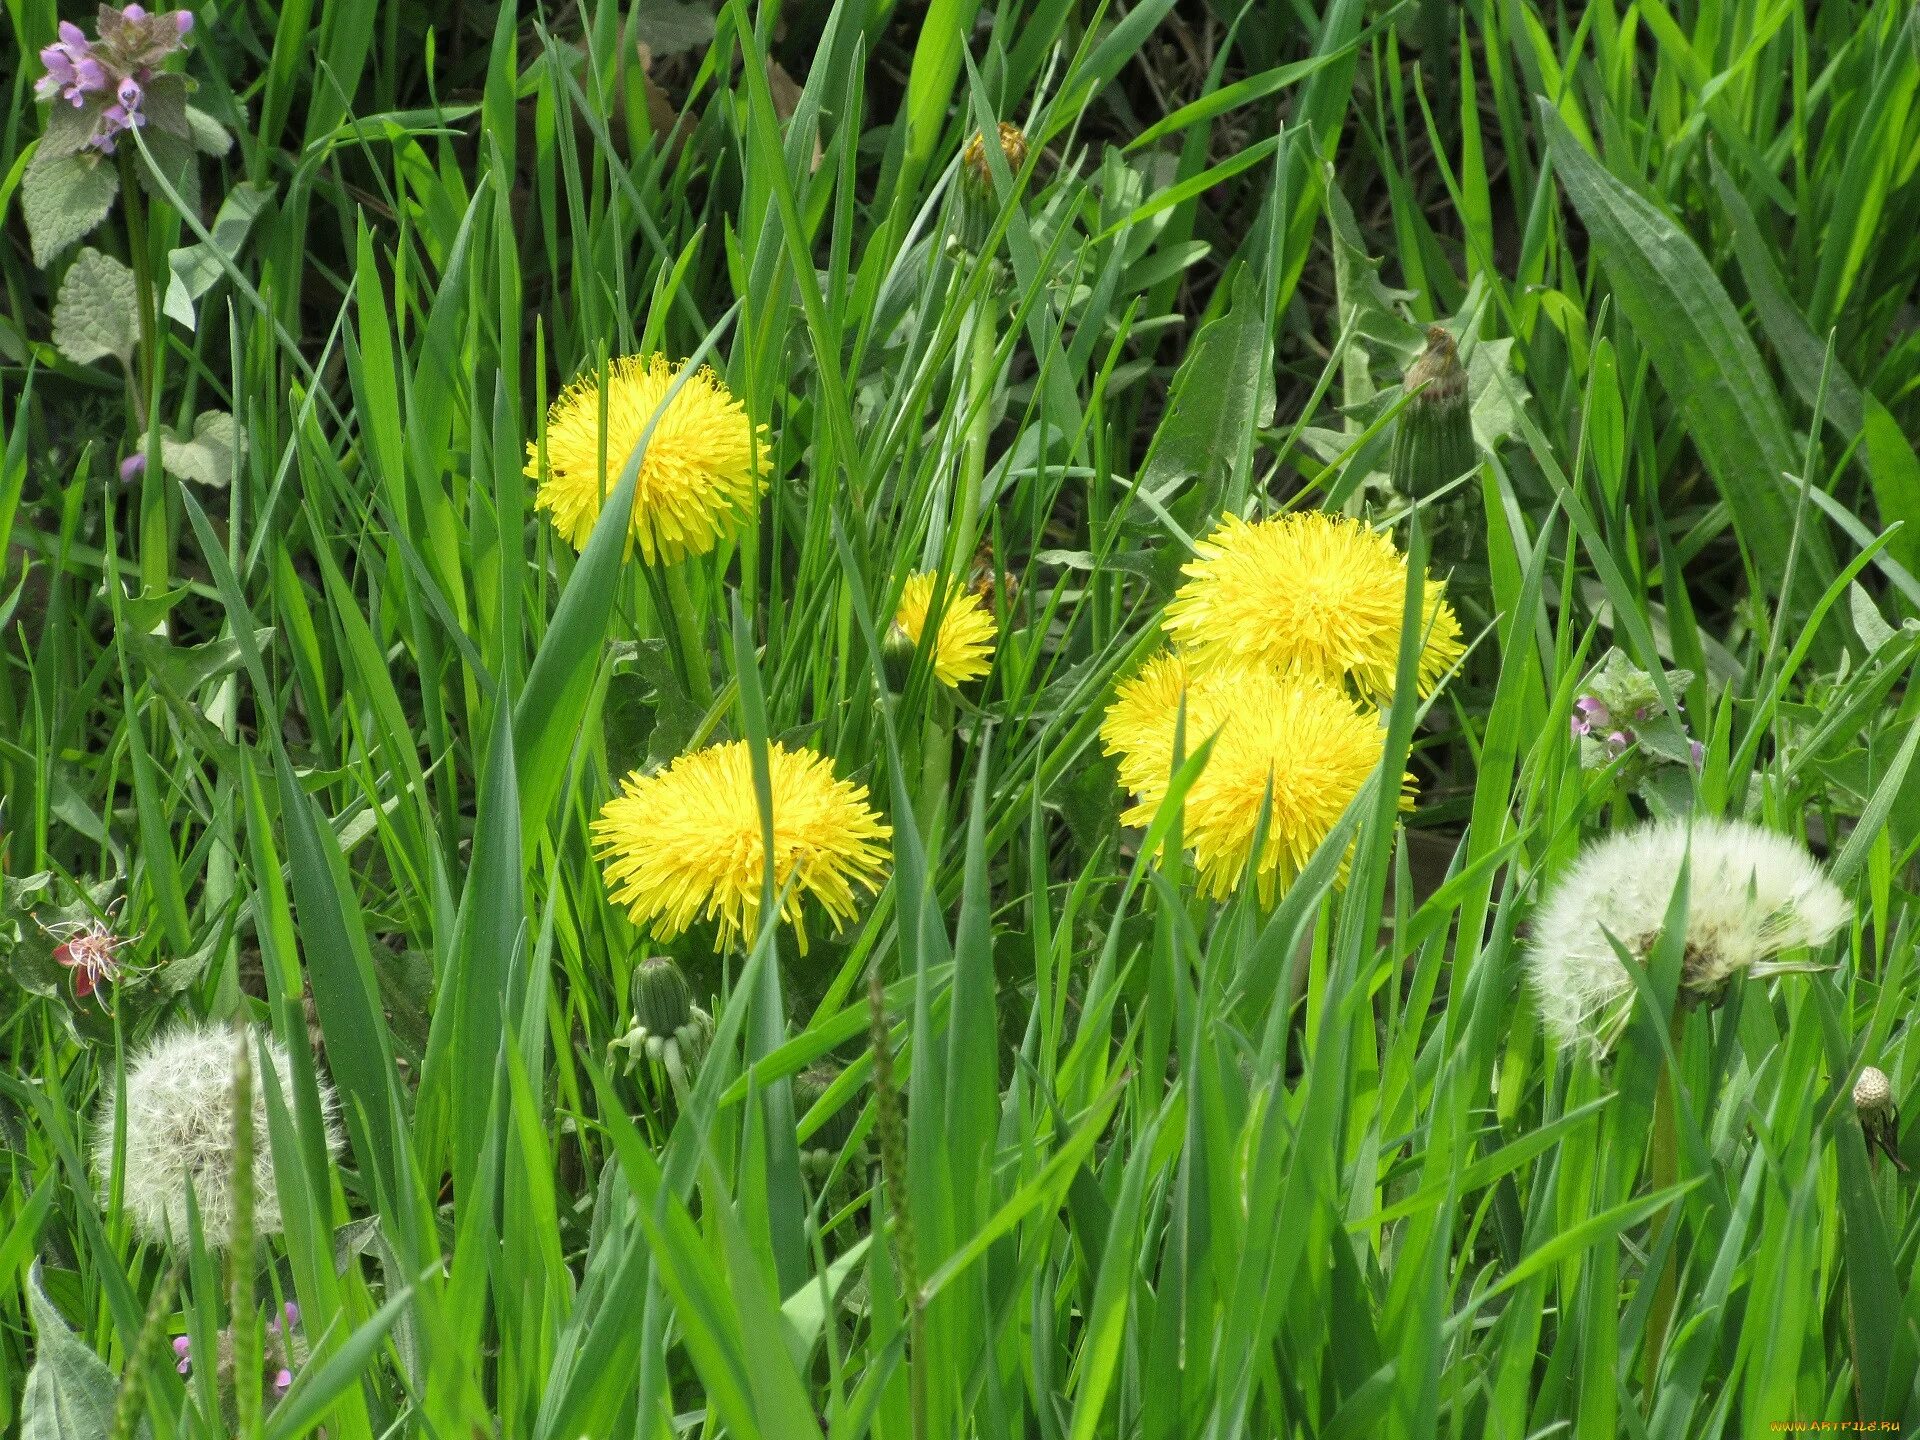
x=90, y=950
x=110, y=75
x=702, y=470
x=1297, y=746
x=1307, y=593
x=686, y=842
x=180, y=1133
x=962, y=648
x=1752, y=895
x=1013, y=149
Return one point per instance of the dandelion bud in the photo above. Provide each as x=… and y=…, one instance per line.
x=1433, y=443
x=662, y=999
x=180, y=1132
x=896, y=656
x=821, y=1150
x=667, y=1026
x=978, y=202
x=973, y=160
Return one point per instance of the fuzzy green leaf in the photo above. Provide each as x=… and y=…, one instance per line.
x=97, y=313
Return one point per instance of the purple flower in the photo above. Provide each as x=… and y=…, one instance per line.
x=107, y=76
x=72, y=71
x=1618, y=741
x=1698, y=752
x=180, y=1347
x=282, y=1382
x=133, y=467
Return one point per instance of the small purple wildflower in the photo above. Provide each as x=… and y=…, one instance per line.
x=1589, y=714
x=1698, y=752
x=72, y=71
x=282, y=1382
x=109, y=75
x=133, y=467
x=1618, y=741
x=181, y=1347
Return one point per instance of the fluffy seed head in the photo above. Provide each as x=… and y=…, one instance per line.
x=180, y=1132
x=1752, y=895
x=1307, y=593
x=702, y=471
x=1299, y=737
x=962, y=648
x=685, y=842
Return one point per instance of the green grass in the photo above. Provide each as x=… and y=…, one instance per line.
x=327, y=739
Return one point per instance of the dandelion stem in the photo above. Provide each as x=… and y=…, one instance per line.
x=686, y=636
x=890, y=1131
x=1664, y=1170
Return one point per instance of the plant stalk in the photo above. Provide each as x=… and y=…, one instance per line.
x=1664, y=1172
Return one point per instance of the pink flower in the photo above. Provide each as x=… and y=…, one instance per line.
x=72, y=71
x=181, y=1345
x=91, y=951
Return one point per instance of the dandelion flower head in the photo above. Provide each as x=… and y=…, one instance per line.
x=1296, y=746
x=704, y=467
x=180, y=1133
x=1307, y=593
x=962, y=648
x=1013, y=149
x=1752, y=895
x=685, y=842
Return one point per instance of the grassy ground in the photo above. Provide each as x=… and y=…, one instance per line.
x=321, y=719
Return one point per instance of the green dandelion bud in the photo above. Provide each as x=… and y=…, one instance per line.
x=1433, y=443
x=667, y=1026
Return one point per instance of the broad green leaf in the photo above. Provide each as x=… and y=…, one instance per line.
x=98, y=311
x=63, y=197
x=70, y=1391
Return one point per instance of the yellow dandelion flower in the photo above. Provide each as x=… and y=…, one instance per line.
x=963, y=646
x=1302, y=734
x=685, y=843
x=1310, y=593
x=1140, y=722
x=701, y=473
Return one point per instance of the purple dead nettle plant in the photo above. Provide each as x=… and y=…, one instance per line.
x=106, y=78
x=125, y=81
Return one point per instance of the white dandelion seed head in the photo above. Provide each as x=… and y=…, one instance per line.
x=1752, y=895
x=180, y=1131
